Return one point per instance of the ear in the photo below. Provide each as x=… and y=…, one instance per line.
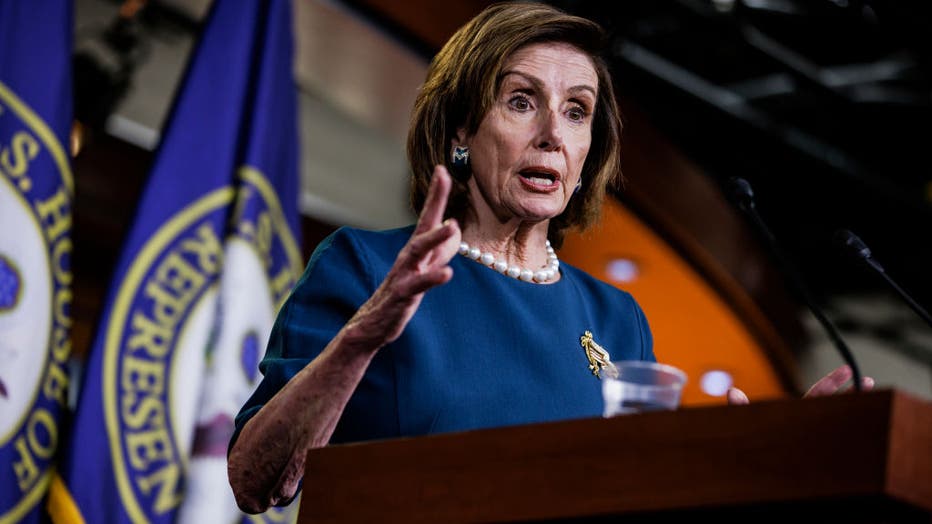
x=460, y=170
x=459, y=139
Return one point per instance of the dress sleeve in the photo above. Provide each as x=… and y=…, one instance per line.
x=647, y=339
x=336, y=282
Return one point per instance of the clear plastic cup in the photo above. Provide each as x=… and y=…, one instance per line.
x=641, y=386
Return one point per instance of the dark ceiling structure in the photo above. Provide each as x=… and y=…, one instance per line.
x=824, y=106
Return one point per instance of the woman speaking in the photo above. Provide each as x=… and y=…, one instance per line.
x=467, y=319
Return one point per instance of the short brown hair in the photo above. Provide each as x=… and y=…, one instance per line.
x=462, y=84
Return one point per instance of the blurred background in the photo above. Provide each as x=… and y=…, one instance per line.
x=824, y=106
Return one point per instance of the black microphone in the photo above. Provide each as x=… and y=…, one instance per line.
x=743, y=196
x=854, y=245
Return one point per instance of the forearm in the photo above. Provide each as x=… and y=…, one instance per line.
x=267, y=461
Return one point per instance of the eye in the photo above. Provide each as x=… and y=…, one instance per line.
x=577, y=114
x=520, y=102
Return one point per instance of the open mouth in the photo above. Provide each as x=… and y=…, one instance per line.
x=543, y=178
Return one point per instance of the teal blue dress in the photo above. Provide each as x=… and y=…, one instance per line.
x=483, y=350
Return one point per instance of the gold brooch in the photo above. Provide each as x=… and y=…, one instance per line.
x=599, y=359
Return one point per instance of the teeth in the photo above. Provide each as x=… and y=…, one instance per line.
x=540, y=181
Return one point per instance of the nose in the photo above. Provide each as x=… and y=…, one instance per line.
x=550, y=136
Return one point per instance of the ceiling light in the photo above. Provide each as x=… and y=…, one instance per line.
x=622, y=270
x=715, y=382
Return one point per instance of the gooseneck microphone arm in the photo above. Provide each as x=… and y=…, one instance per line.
x=744, y=197
x=854, y=245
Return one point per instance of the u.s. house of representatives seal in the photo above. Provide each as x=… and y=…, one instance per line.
x=35, y=301
x=163, y=323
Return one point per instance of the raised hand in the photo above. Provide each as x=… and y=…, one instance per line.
x=304, y=413
x=835, y=381
x=423, y=263
x=832, y=383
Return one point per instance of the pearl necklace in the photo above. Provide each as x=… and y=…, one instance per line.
x=544, y=275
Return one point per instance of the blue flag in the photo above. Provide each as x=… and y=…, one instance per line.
x=215, y=231
x=36, y=191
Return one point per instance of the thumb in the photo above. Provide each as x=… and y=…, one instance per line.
x=736, y=397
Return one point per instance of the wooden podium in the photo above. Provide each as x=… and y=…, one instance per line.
x=848, y=458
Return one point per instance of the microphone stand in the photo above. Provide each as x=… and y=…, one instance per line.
x=745, y=199
x=859, y=249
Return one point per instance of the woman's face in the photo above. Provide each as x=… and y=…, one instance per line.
x=529, y=150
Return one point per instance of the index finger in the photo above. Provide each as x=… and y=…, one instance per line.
x=830, y=383
x=436, y=201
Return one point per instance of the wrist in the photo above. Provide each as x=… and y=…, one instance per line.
x=360, y=339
